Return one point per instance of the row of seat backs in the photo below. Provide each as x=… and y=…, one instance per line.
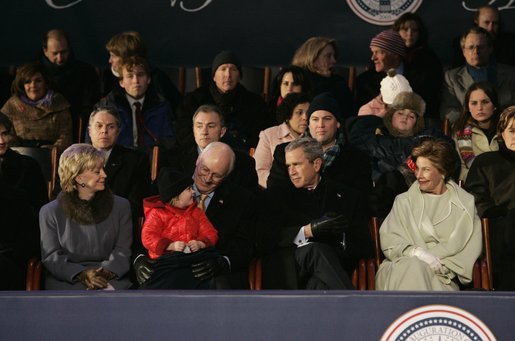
x=257, y=79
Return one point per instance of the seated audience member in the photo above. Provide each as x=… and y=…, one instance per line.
x=432, y=236
x=476, y=45
x=209, y=126
x=475, y=130
x=22, y=193
x=21, y=173
x=388, y=52
x=86, y=233
x=312, y=233
x=177, y=234
x=292, y=113
x=317, y=56
x=488, y=18
x=290, y=79
x=245, y=113
x=144, y=115
x=342, y=163
x=490, y=180
x=127, y=170
x=19, y=236
x=391, y=86
x=231, y=210
x=129, y=44
x=76, y=80
x=41, y=117
x=423, y=67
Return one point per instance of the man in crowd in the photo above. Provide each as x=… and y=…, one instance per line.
x=245, y=113
x=312, y=234
x=342, y=163
x=477, y=48
x=209, y=126
x=230, y=208
x=76, y=80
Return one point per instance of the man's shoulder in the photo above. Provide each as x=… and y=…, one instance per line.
x=129, y=154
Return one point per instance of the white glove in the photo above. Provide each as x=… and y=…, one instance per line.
x=427, y=257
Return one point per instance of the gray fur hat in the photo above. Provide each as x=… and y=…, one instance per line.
x=411, y=101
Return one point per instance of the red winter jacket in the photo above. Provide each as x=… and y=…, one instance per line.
x=165, y=224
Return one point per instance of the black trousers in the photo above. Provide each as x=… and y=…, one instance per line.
x=315, y=266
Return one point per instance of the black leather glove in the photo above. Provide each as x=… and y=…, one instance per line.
x=328, y=226
x=143, y=267
x=208, y=269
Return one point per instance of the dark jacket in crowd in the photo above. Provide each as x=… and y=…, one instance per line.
x=19, y=236
x=24, y=174
x=338, y=88
x=245, y=115
x=491, y=180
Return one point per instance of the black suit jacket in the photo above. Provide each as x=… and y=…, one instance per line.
x=24, y=174
x=128, y=176
x=183, y=160
x=284, y=210
x=232, y=212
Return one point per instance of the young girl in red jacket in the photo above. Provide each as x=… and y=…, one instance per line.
x=176, y=234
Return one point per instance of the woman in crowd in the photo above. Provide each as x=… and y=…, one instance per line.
x=423, y=67
x=289, y=79
x=475, y=130
x=432, y=236
x=292, y=112
x=20, y=172
x=41, y=117
x=177, y=234
x=318, y=56
x=86, y=233
x=490, y=180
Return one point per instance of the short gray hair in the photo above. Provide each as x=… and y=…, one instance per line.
x=208, y=108
x=312, y=148
x=110, y=109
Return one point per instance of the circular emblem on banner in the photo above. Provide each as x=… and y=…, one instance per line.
x=438, y=322
x=382, y=12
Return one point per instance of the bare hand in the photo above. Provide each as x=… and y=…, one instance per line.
x=196, y=245
x=176, y=246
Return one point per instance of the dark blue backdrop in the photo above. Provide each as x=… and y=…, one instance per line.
x=263, y=32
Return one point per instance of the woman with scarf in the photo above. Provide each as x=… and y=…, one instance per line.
x=475, y=130
x=86, y=233
x=41, y=117
x=490, y=180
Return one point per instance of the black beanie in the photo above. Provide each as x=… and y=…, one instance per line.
x=226, y=57
x=170, y=184
x=325, y=101
x=6, y=122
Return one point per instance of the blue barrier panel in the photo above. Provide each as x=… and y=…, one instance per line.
x=234, y=315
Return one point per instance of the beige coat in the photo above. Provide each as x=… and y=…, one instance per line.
x=404, y=229
x=480, y=145
x=41, y=122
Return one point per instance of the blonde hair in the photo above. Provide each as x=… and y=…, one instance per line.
x=308, y=52
x=76, y=159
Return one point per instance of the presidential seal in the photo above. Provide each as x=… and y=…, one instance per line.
x=382, y=12
x=438, y=322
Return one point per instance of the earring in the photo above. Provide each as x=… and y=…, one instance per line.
x=82, y=185
x=443, y=177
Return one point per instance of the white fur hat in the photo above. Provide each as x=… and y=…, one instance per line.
x=392, y=85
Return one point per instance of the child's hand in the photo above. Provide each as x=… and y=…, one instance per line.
x=196, y=245
x=176, y=246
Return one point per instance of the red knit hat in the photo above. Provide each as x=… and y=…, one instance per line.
x=390, y=41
